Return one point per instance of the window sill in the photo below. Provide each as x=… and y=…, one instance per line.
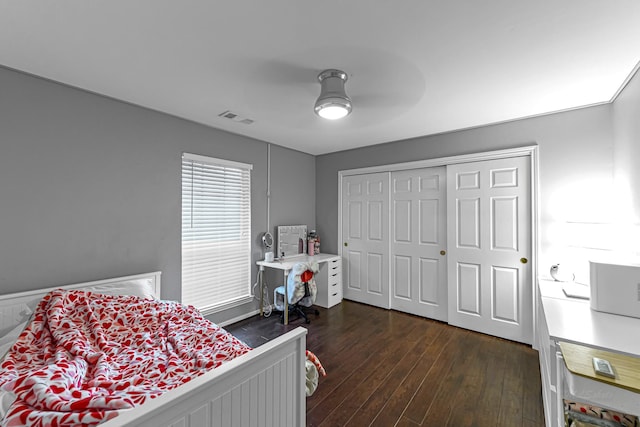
x=206, y=311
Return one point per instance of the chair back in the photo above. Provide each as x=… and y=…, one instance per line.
x=301, y=284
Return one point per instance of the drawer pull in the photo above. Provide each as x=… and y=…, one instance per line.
x=333, y=295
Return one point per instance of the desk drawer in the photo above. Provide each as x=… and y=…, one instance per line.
x=334, y=272
x=335, y=295
x=335, y=288
x=334, y=278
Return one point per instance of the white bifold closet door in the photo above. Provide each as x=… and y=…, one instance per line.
x=489, y=233
x=418, y=242
x=365, y=234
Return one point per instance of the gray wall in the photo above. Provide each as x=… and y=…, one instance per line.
x=90, y=186
x=576, y=173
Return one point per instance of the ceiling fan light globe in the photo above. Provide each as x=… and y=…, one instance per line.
x=333, y=111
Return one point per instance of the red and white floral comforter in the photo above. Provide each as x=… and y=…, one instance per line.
x=85, y=356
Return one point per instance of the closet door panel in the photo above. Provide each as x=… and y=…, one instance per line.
x=504, y=228
x=429, y=273
x=468, y=214
x=402, y=226
x=375, y=272
x=402, y=277
x=365, y=234
x=354, y=226
x=490, y=228
x=429, y=221
x=375, y=227
x=418, y=242
x=468, y=287
x=353, y=269
x=505, y=295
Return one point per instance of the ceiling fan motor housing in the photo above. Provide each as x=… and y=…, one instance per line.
x=332, y=90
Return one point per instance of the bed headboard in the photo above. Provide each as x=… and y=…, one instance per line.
x=14, y=308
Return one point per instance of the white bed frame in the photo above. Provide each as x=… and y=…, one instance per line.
x=264, y=387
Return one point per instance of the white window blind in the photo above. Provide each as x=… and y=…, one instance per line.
x=216, y=233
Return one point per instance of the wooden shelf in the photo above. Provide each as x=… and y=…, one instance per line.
x=578, y=359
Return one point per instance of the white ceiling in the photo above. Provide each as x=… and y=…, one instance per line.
x=416, y=67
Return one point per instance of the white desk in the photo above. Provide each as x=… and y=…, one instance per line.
x=286, y=264
x=571, y=320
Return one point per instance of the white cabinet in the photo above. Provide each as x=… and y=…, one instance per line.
x=329, y=283
x=547, y=349
x=562, y=320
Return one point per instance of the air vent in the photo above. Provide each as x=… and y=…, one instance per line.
x=235, y=117
x=228, y=115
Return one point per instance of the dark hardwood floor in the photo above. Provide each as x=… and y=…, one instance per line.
x=387, y=368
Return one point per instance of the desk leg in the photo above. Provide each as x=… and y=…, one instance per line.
x=261, y=290
x=285, y=318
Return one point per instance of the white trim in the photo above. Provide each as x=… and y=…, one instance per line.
x=216, y=161
x=624, y=84
x=206, y=311
x=443, y=161
x=528, y=150
x=535, y=226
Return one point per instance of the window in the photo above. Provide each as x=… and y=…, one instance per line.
x=216, y=233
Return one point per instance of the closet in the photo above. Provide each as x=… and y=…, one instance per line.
x=451, y=242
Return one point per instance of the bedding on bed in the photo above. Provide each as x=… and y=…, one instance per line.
x=85, y=356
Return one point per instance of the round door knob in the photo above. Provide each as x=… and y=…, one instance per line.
x=443, y=253
x=346, y=244
x=524, y=260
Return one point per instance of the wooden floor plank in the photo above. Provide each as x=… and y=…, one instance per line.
x=492, y=360
x=512, y=389
x=403, y=366
x=387, y=368
x=422, y=400
x=397, y=402
x=377, y=357
x=446, y=400
x=470, y=389
x=405, y=422
x=358, y=395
